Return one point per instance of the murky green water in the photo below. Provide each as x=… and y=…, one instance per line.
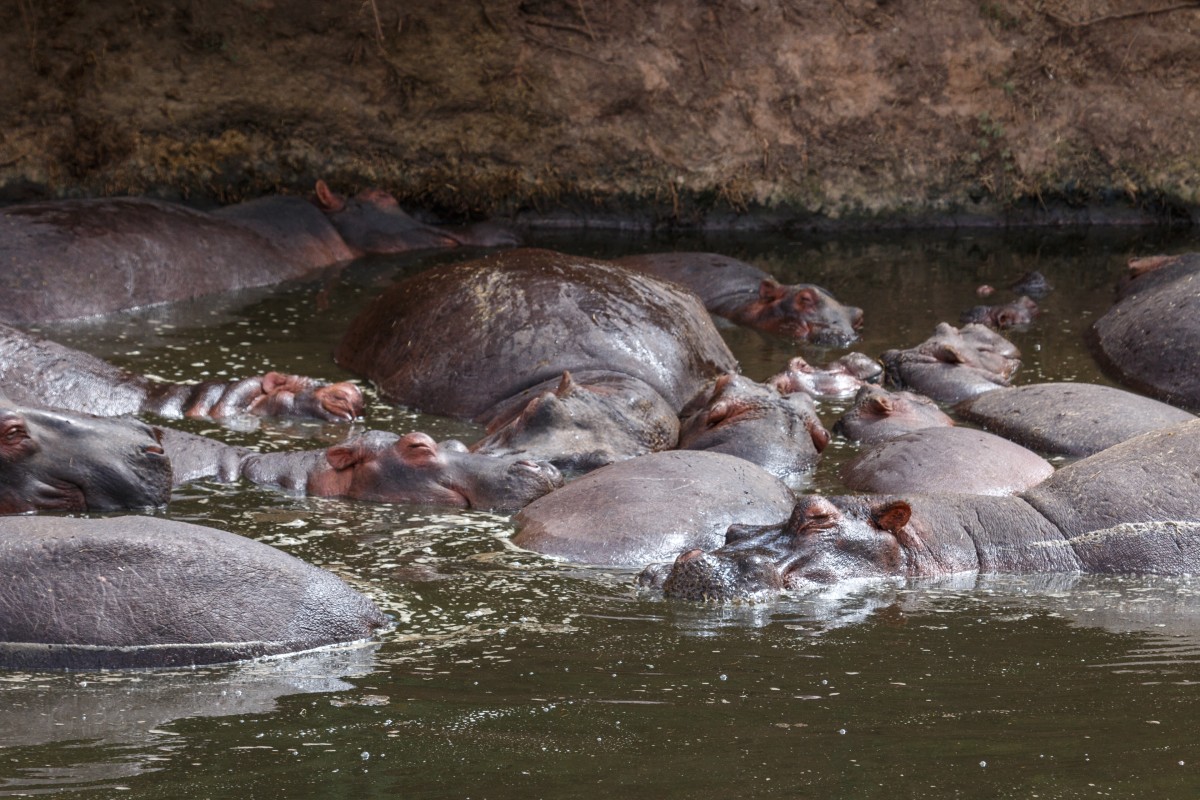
x=512, y=676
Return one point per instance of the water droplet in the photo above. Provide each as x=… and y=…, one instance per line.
x=983, y=763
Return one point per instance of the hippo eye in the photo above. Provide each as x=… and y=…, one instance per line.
x=13, y=434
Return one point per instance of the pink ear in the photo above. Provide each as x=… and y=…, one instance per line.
x=892, y=516
x=820, y=436
x=807, y=299
x=565, y=386
x=771, y=290
x=345, y=456
x=274, y=381
x=880, y=404
x=327, y=199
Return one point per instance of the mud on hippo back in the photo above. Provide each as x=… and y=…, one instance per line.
x=1134, y=507
x=746, y=295
x=79, y=258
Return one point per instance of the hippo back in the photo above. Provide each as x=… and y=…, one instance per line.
x=458, y=339
x=149, y=592
x=79, y=258
x=1150, y=478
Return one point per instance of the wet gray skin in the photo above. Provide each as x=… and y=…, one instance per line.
x=953, y=364
x=744, y=418
x=60, y=461
x=749, y=296
x=1018, y=313
x=878, y=414
x=383, y=467
x=582, y=423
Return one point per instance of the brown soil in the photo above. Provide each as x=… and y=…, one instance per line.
x=730, y=112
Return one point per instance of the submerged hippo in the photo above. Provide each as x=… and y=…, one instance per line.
x=945, y=459
x=1131, y=508
x=461, y=339
x=581, y=422
x=744, y=418
x=651, y=507
x=40, y=372
x=384, y=467
x=59, y=461
x=878, y=415
x=1150, y=340
x=149, y=592
x=746, y=295
x=954, y=364
x=836, y=380
x=1068, y=419
x=1017, y=313
x=78, y=258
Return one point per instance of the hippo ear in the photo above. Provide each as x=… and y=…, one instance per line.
x=770, y=291
x=892, y=517
x=565, y=386
x=949, y=354
x=820, y=436
x=345, y=456
x=880, y=404
x=274, y=381
x=806, y=299
x=327, y=199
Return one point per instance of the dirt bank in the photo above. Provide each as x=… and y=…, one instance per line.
x=680, y=111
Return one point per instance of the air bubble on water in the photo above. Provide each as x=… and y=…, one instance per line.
x=983, y=763
x=842, y=731
x=365, y=755
x=724, y=677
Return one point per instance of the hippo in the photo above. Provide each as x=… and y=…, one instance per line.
x=954, y=364
x=750, y=420
x=383, y=467
x=40, y=372
x=61, y=461
x=460, y=339
x=837, y=380
x=581, y=422
x=945, y=459
x=1133, y=507
x=744, y=294
x=125, y=592
x=1032, y=284
x=878, y=415
x=1150, y=339
x=1068, y=419
x=78, y=258
x=1017, y=313
x=648, y=508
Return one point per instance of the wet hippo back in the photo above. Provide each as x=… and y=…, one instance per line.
x=458, y=339
x=149, y=592
x=80, y=258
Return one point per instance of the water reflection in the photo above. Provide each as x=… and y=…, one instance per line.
x=92, y=729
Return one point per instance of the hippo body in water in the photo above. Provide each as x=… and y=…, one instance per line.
x=79, y=258
x=1150, y=339
x=735, y=415
x=461, y=339
x=40, y=372
x=375, y=466
x=126, y=592
x=60, y=461
x=746, y=295
x=878, y=415
x=1134, y=507
x=1068, y=419
x=945, y=459
x=954, y=364
x=649, y=508
x=837, y=380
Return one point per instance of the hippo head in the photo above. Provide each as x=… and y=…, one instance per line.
x=804, y=312
x=1017, y=314
x=385, y=468
x=954, y=364
x=583, y=426
x=819, y=545
x=878, y=414
x=840, y=378
x=373, y=222
x=741, y=417
x=58, y=461
x=297, y=396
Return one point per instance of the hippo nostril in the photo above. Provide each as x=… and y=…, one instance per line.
x=154, y=450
